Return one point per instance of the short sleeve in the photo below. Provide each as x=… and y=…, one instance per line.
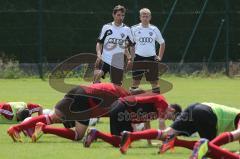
x=159, y=37
x=133, y=32
x=104, y=33
x=130, y=37
x=6, y=111
x=33, y=108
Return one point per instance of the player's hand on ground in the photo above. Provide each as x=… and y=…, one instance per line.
x=149, y=142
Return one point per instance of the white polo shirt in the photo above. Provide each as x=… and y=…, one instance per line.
x=114, y=39
x=145, y=38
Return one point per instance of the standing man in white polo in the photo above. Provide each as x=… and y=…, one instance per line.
x=114, y=39
x=145, y=35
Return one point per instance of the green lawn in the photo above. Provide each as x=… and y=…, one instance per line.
x=185, y=91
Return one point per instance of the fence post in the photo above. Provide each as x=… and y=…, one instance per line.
x=215, y=41
x=227, y=36
x=135, y=12
x=193, y=32
x=40, y=38
x=169, y=16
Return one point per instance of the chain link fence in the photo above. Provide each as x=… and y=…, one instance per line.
x=44, y=31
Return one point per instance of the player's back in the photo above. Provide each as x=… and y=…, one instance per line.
x=111, y=88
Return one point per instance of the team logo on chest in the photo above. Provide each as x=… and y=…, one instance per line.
x=108, y=32
x=150, y=33
x=122, y=35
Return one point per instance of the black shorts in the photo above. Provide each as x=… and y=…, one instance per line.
x=197, y=118
x=72, y=124
x=123, y=115
x=116, y=74
x=149, y=68
x=73, y=101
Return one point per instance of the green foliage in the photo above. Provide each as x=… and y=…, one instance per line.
x=9, y=68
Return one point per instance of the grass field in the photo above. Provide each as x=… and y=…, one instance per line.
x=185, y=91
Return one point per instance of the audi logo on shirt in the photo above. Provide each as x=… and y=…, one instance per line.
x=144, y=40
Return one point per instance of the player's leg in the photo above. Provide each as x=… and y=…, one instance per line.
x=14, y=131
x=63, y=105
x=46, y=119
x=183, y=125
x=227, y=137
x=147, y=125
x=184, y=143
x=135, y=84
x=97, y=73
x=171, y=142
x=203, y=149
x=81, y=128
x=223, y=138
x=155, y=86
x=116, y=75
x=200, y=120
x=136, y=73
x=129, y=137
x=77, y=134
x=153, y=74
x=140, y=110
x=217, y=152
x=94, y=134
x=205, y=122
x=101, y=72
x=120, y=119
x=212, y=149
x=117, y=125
x=143, y=110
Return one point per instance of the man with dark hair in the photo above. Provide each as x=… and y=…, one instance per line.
x=14, y=112
x=208, y=119
x=131, y=110
x=112, y=44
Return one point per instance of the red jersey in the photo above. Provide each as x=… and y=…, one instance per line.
x=149, y=100
x=90, y=101
x=107, y=88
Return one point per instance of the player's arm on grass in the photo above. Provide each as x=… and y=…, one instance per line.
x=35, y=108
x=40, y=112
x=5, y=111
x=147, y=125
x=167, y=132
x=162, y=124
